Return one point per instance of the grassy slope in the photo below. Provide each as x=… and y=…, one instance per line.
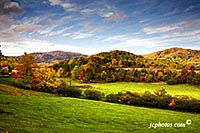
x=109, y=88
x=32, y=112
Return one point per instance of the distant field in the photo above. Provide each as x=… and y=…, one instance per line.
x=32, y=112
x=109, y=88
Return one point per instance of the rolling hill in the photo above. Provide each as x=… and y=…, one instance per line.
x=29, y=111
x=176, y=53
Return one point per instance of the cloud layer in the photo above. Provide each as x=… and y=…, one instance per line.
x=95, y=26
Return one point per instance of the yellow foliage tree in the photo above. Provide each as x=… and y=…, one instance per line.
x=28, y=61
x=46, y=80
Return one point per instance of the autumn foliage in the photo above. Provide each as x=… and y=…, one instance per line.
x=172, y=103
x=46, y=80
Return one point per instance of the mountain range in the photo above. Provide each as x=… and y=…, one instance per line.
x=167, y=56
x=55, y=55
x=175, y=54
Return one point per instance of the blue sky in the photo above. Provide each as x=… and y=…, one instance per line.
x=93, y=26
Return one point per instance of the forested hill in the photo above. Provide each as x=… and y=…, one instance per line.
x=117, y=57
x=176, y=54
x=55, y=55
x=112, y=58
x=115, y=66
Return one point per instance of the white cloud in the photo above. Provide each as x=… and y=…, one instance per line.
x=113, y=16
x=87, y=11
x=5, y=22
x=55, y=2
x=87, y=27
x=25, y=28
x=116, y=38
x=28, y=45
x=148, y=43
x=65, y=5
x=58, y=32
x=33, y=45
x=108, y=14
x=183, y=34
x=9, y=36
x=66, y=34
x=47, y=30
x=162, y=29
x=170, y=13
x=82, y=35
x=189, y=8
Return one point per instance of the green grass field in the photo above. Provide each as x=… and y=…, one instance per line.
x=29, y=111
x=173, y=90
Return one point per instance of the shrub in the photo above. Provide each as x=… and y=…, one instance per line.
x=149, y=78
x=4, y=71
x=187, y=105
x=148, y=99
x=176, y=80
x=93, y=94
x=160, y=99
x=70, y=92
x=172, y=81
x=85, y=80
x=113, y=98
x=160, y=92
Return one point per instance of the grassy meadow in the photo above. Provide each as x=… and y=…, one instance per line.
x=116, y=87
x=30, y=111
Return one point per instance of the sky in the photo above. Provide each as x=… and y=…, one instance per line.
x=94, y=26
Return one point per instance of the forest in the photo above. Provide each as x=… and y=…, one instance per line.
x=121, y=66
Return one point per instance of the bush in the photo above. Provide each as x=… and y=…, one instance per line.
x=148, y=99
x=4, y=71
x=172, y=81
x=113, y=98
x=85, y=80
x=70, y=92
x=187, y=105
x=160, y=99
x=94, y=94
x=176, y=80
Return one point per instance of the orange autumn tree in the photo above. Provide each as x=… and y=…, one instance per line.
x=27, y=62
x=172, y=103
x=46, y=80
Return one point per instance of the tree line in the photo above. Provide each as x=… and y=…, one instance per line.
x=110, y=69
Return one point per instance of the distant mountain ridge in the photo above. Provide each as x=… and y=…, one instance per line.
x=55, y=55
x=172, y=54
x=176, y=54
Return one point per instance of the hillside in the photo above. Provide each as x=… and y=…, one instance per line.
x=37, y=112
x=55, y=55
x=176, y=54
x=116, y=56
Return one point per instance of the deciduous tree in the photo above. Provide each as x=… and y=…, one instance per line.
x=46, y=80
x=27, y=61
